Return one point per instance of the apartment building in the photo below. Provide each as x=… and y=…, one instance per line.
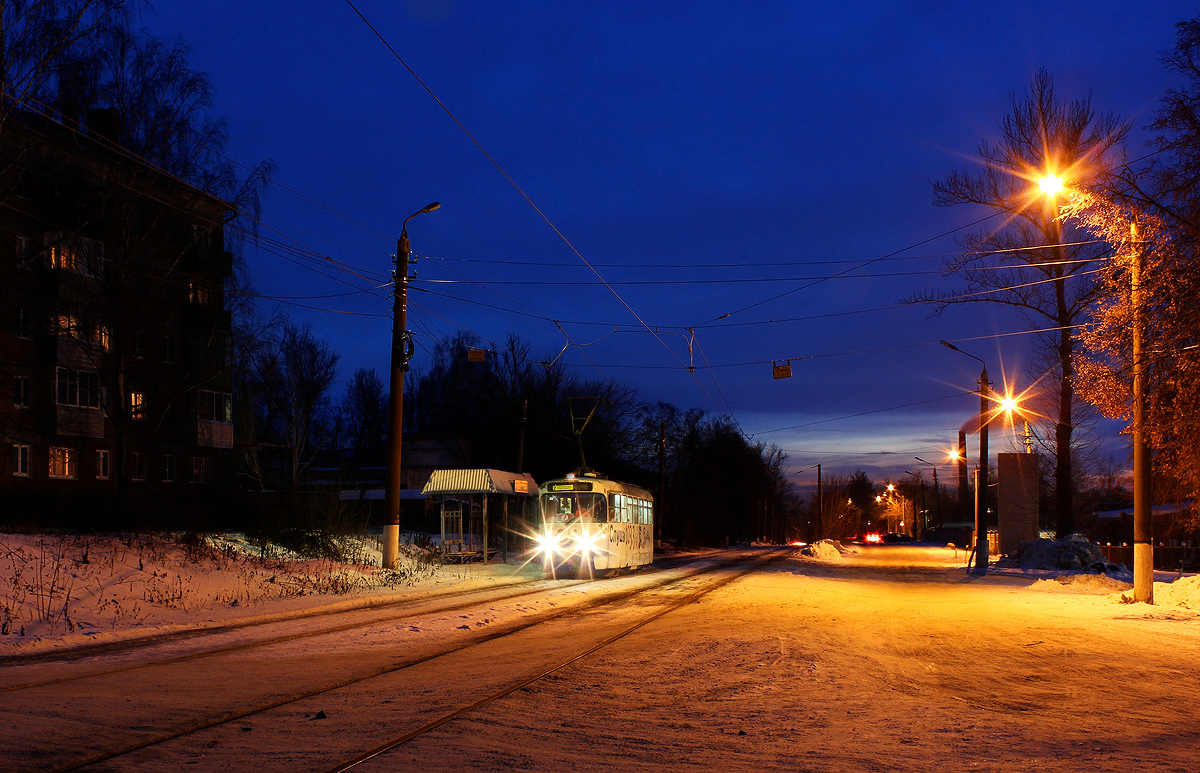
x=115, y=387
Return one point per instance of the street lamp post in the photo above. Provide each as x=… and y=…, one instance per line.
x=924, y=509
x=937, y=499
x=1143, y=520
x=981, y=537
x=402, y=350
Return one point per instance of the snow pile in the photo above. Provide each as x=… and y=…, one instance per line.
x=62, y=585
x=1184, y=592
x=1095, y=583
x=826, y=550
x=1069, y=555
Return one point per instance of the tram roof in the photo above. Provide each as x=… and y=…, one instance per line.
x=483, y=481
x=603, y=483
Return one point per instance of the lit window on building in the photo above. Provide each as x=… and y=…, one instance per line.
x=66, y=324
x=102, y=337
x=62, y=462
x=198, y=293
x=137, y=406
x=83, y=256
x=65, y=256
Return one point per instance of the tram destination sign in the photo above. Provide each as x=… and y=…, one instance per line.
x=571, y=486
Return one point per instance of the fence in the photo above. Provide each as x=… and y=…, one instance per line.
x=1166, y=559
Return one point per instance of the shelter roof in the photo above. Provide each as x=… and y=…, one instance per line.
x=481, y=482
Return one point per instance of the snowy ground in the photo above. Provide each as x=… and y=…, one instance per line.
x=67, y=590
x=874, y=659
x=60, y=591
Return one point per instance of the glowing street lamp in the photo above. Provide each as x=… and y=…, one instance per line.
x=981, y=537
x=1051, y=185
x=1143, y=523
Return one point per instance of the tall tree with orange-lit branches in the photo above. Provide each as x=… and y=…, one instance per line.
x=1033, y=261
x=1154, y=212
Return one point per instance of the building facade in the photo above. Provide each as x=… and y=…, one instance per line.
x=115, y=387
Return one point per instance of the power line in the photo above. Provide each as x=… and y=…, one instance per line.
x=486, y=283
x=511, y=181
x=854, y=268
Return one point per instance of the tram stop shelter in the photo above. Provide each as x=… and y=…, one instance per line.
x=475, y=508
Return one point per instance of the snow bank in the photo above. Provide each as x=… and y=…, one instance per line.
x=1184, y=592
x=1096, y=583
x=1068, y=555
x=72, y=586
x=826, y=550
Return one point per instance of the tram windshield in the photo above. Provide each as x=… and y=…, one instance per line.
x=561, y=508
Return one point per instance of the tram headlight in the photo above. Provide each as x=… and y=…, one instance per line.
x=586, y=543
x=548, y=543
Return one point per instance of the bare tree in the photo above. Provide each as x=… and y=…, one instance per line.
x=43, y=40
x=835, y=515
x=1153, y=214
x=364, y=416
x=1035, y=262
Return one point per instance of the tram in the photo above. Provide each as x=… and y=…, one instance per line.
x=591, y=524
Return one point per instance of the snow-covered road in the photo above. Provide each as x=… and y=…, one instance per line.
x=888, y=659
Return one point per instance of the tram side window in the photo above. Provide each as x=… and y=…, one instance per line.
x=599, y=505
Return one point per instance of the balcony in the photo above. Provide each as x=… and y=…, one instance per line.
x=214, y=434
x=77, y=421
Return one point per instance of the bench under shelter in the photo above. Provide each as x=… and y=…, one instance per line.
x=476, y=506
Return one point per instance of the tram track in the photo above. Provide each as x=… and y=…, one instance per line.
x=216, y=720
x=526, y=681
x=411, y=608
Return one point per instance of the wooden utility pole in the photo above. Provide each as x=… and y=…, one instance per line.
x=662, y=482
x=1143, y=521
x=402, y=351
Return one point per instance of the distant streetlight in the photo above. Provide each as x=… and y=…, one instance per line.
x=402, y=351
x=1143, y=522
x=937, y=500
x=924, y=511
x=981, y=537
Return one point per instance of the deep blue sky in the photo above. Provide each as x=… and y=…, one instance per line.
x=673, y=145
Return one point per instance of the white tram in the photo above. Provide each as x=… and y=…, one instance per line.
x=591, y=524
